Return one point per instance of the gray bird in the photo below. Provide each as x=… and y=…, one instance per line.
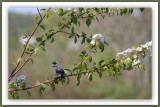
x=58, y=69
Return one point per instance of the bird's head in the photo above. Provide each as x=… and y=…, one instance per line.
x=53, y=63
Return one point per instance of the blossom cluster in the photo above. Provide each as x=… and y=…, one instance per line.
x=147, y=46
x=136, y=61
x=98, y=37
x=20, y=80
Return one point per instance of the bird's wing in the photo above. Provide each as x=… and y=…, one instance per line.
x=60, y=69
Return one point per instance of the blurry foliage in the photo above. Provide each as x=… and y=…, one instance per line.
x=121, y=32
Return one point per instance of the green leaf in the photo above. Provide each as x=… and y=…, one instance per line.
x=83, y=52
x=134, y=47
x=74, y=20
x=74, y=69
x=79, y=74
x=89, y=76
x=43, y=48
x=77, y=84
x=88, y=40
x=39, y=39
x=42, y=27
x=141, y=9
x=43, y=87
x=100, y=75
x=117, y=65
x=35, y=16
x=128, y=61
x=90, y=58
x=37, y=51
x=19, y=60
x=38, y=83
x=23, y=85
x=121, y=12
x=42, y=9
x=25, y=36
x=52, y=40
x=103, y=63
x=60, y=12
x=103, y=15
x=97, y=10
x=47, y=15
x=97, y=44
x=109, y=72
x=97, y=19
x=52, y=86
x=59, y=24
x=101, y=46
x=88, y=21
x=40, y=91
x=16, y=96
x=28, y=93
x=84, y=66
x=125, y=10
x=56, y=80
x=100, y=62
x=83, y=40
x=75, y=39
x=130, y=10
x=141, y=66
x=43, y=44
x=106, y=10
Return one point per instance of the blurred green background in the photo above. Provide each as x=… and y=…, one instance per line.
x=121, y=33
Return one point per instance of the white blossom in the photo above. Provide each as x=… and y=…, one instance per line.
x=135, y=62
x=135, y=56
x=98, y=37
x=55, y=9
x=75, y=10
x=93, y=42
x=125, y=53
x=69, y=8
x=139, y=49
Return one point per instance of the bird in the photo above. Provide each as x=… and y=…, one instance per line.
x=58, y=69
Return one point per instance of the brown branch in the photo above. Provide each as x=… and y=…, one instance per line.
x=28, y=42
x=39, y=12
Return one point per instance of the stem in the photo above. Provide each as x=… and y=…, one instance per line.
x=39, y=12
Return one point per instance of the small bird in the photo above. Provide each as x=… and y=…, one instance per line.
x=58, y=69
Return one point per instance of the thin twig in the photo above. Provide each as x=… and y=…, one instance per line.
x=39, y=12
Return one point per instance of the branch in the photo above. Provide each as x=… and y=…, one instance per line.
x=70, y=75
x=39, y=12
x=28, y=42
